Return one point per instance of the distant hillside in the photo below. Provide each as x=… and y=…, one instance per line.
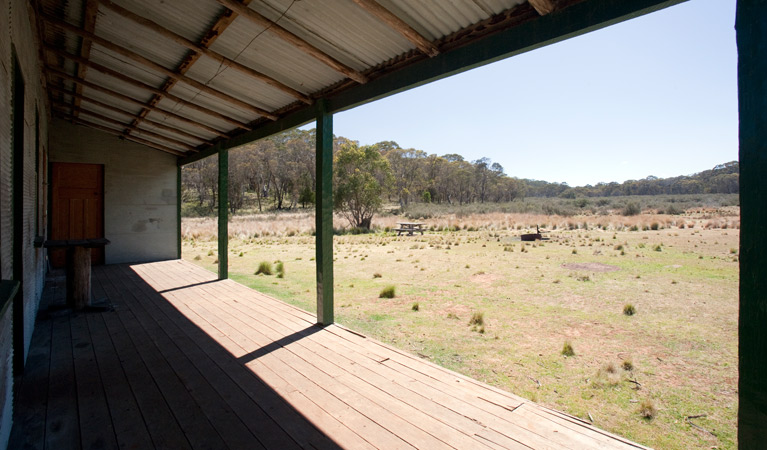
x=722, y=179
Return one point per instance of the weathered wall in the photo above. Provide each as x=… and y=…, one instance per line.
x=17, y=31
x=139, y=191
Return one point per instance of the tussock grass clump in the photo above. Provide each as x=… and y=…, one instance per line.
x=264, y=268
x=377, y=275
x=280, y=267
x=654, y=226
x=629, y=309
x=415, y=306
x=647, y=410
x=658, y=248
x=387, y=292
x=627, y=365
x=197, y=258
x=210, y=253
x=567, y=349
x=477, y=319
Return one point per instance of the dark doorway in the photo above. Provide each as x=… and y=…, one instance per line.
x=77, y=207
x=17, y=259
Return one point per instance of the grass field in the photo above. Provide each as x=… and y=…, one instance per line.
x=471, y=297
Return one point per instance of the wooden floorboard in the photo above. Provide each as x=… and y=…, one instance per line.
x=187, y=361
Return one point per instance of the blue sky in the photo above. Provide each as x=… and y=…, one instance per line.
x=652, y=96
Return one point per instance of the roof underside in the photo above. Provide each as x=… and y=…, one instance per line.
x=187, y=77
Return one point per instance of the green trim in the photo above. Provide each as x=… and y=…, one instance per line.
x=223, y=214
x=323, y=215
x=575, y=20
x=751, y=26
x=8, y=289
x=178, y=211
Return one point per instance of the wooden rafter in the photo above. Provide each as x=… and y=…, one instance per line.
x=61, y=74
x=158, y=68
x=400, y=26
x=282, y=33
x=152, y=89
x=108, y=107
x=118, y=123
x=205, y=51
x=89, y=25
x=543, y=7
x=106, y=129
x=223, y=22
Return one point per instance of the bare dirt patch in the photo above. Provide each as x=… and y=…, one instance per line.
x=484, y=279
x=591, y=267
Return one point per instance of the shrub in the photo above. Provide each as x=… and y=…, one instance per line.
x=265, y=268
x=377, y=275
x=415, y=306
x=654, y=226
x=567, y=349
x=629, y=309
x=387, y=292
x=477, y=318
x=632, y=209
x=647, y=409
x=280, y=269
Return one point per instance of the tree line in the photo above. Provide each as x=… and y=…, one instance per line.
x=279, y=173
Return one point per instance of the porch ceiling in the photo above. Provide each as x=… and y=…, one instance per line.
x=188, y=77
x=180, y=75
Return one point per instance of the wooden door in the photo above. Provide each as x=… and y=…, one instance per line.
x=77, y=207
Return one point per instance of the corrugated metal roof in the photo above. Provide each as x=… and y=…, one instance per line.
x=341, y=30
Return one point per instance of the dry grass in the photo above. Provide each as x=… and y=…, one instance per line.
x=294, y=223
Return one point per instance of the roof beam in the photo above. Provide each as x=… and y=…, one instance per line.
x=400, y=26
x=89, y=25
x=205, y=51
x=543, y=7
x=152, y=89
x=158, y=68
x=112, y=121
x=282, y=33
x=131, y=100
x=119, y=134
x=108, y=107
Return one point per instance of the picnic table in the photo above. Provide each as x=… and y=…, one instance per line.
x=78, y=268
x=409, y=228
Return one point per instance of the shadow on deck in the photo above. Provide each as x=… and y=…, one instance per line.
x=185, y=361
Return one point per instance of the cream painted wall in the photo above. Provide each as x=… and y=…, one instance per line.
x=139, y=191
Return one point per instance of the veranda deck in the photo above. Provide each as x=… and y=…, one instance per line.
x=185, y=361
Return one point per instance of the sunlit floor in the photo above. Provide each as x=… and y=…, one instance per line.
x=185, y=361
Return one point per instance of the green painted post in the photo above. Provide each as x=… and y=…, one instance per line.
x=223, y=214
x=324, y=214
x=178, y=211
x=751, y=26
